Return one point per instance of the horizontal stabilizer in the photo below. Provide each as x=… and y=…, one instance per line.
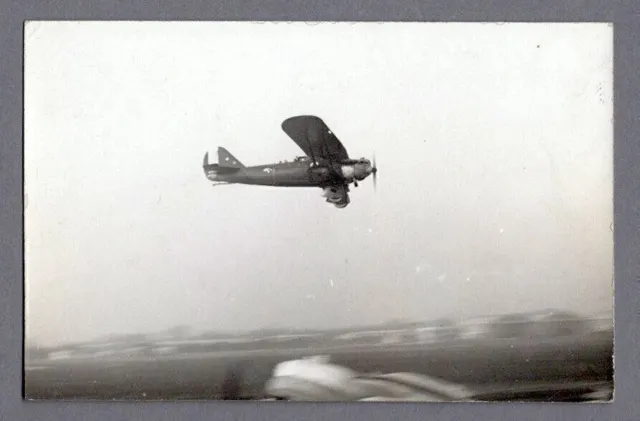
x=212, y=170
x=215, y=169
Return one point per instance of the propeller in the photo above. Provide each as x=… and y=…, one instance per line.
x=374, y=171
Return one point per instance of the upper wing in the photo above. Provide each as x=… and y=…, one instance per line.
x=314, y=138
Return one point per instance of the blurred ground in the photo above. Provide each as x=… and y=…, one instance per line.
x=481, y=364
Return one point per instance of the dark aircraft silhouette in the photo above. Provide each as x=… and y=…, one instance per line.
x=326, y=164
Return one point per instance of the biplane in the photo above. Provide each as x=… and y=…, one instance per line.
x=326, y=164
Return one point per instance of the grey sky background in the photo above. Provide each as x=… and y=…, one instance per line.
x=493, y=142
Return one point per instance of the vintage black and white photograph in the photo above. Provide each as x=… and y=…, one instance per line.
x=318, y=211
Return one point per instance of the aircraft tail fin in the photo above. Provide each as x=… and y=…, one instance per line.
x=213, y=170
x=225, y=159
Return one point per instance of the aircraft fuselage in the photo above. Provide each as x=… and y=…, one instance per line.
x=298, y=173
x=288, y=174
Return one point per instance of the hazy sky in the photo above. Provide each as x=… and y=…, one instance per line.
x=493, y=142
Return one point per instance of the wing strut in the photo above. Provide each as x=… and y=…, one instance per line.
x=313, y=158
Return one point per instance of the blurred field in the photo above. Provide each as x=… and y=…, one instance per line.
x=480, y=364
